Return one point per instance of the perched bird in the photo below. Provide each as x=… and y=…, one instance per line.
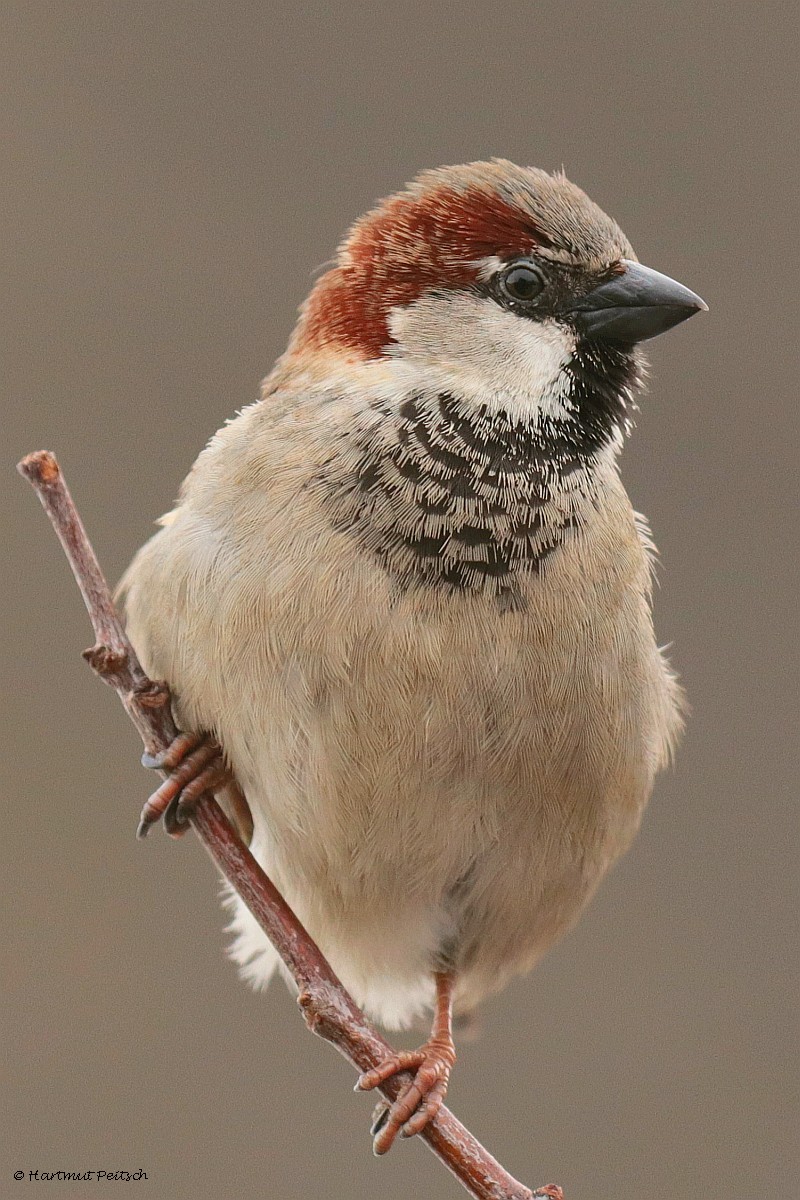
x=406, y=595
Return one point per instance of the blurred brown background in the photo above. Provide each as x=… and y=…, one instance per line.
x=176, y=172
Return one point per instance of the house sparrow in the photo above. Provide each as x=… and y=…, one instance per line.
x=406, y=594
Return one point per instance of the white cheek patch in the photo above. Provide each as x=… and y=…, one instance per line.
x=490, y=355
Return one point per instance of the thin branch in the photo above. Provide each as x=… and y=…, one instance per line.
x=328, y=1009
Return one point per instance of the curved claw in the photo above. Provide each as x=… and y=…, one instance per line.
x=196, y=766
x=420, y=1100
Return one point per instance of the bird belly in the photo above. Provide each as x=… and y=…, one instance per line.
x=438, y=799
x=434, y=781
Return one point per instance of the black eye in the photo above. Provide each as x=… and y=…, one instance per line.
x=522, y=282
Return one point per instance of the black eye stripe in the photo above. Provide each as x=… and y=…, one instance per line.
x=539, y=290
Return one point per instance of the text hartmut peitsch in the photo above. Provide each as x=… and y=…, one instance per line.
x=88, y=1176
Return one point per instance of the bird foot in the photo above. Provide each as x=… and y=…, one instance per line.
x=420, y=1100
x=195, y=765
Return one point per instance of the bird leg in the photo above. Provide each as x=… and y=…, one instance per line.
x=196, y=765
x=431, y=1065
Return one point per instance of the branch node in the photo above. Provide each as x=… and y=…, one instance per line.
x=106, y=660
x=321, y=1012
x=152, y=693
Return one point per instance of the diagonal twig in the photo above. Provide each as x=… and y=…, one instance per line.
x=328, y=1009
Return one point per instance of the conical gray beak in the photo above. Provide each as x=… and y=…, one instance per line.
x=634, y=306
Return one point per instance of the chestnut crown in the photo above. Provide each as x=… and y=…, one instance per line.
x=441, y=233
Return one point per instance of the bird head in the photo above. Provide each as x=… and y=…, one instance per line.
x=504, y=283
x=480, y=330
